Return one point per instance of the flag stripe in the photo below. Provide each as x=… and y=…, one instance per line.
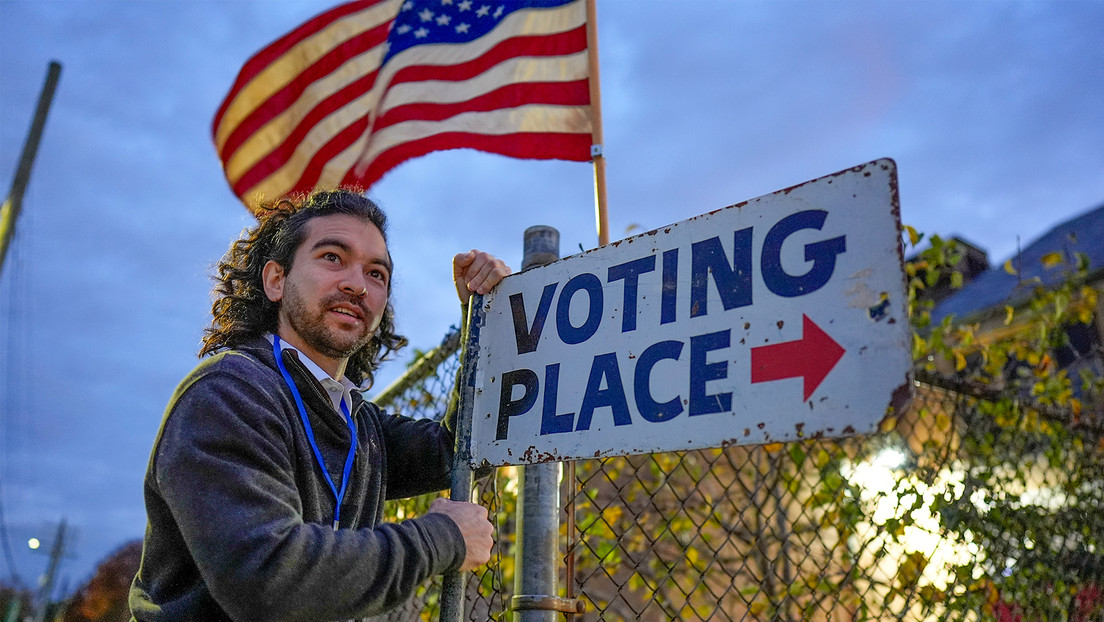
x=563, y=146
x=516, y=145
x=301, y=55
x=545, y=32
x=333, y=149
x=276, y=186
x=427, y=78
x=283, y=134
x=257, y=63
x=331, y=73
x=520, y=70
x=523, y=119
x=328, y=167
x=291, y=159
x=510, y=96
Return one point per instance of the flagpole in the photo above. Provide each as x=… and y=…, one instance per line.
x=602, y=218
x=597, y=157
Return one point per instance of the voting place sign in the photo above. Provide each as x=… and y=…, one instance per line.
x=776, y=319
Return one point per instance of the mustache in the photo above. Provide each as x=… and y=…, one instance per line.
x=353, y=300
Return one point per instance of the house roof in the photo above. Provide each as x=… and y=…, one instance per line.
x=995, y=286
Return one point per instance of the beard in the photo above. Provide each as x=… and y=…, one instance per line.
x=310, y=324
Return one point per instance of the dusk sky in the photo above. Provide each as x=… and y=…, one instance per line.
x=993, y=111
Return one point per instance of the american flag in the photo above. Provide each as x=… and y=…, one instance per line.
x=357, y=90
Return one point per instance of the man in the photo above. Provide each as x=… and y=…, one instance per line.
x=264, y=437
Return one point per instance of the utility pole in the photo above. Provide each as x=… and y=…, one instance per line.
x=9, y=213
x=56, y=553
x=14, y=203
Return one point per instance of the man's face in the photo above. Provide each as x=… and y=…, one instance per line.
x=332, y=299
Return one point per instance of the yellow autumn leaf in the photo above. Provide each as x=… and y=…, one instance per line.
x=1009, y=268
x=1051, y=259
x=960, y=361
x=918, y=343
x=822, y=458
x=611, y=514
x=942, y=421
x=910, y=570
x=1009, y=312
x=914, y=237
x=887, y=425
x=772, y=448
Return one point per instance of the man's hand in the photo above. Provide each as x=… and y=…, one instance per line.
x=476, y=271
x=473, y=523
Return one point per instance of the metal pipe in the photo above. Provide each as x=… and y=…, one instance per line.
x=569, y=559
x=455, y=582
x=538, y=514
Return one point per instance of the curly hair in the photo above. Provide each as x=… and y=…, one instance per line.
x=242, y=312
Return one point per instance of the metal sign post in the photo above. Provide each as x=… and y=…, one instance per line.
x=777, y=319
x=537, y=554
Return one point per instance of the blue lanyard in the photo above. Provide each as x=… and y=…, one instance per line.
x=339, y=495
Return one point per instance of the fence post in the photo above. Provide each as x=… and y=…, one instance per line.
x=538, y=508
x=455, y=582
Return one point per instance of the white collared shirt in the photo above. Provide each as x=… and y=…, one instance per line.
x=339, y=391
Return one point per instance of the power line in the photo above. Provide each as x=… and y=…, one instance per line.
x=13, y=331
x=8, y=557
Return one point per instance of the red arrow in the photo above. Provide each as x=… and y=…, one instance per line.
x=811, y=358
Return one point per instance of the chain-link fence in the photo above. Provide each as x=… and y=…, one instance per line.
x=424, y=392
x=970, y=505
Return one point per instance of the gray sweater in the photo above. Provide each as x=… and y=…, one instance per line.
x=240, y=516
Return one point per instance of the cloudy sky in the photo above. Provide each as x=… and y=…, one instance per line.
x=992, y=109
